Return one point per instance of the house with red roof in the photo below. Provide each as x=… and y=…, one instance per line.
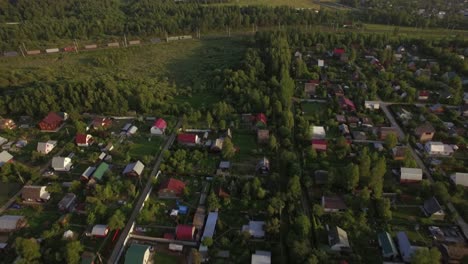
x=52, y=121
x=188, y=139
x=101, y=123
x=423, y=95
x=185, y=232
x=159, y=127
x=83, y=140
x=260, y=120
x=338, y=52
x=319, y=144
x=171, y=188
x=347, y=104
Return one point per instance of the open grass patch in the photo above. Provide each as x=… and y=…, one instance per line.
x=145, y=146
x=165, y=258
x=7, y=190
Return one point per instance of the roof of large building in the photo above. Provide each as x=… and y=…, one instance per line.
x=52, y=118
x=173, y=184
x=387, y=244
x=185, y=232
x=100, y=170
x=10, y=222
x=135, y=254
x=160, y=123
x=5, y=157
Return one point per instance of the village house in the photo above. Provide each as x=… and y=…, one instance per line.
x=333, y=204
x=223, y=168
x=3, y=140
x=338, y=52
x=438, y=149
x=61, y=163
x=67, y=203
x=217, y=145
x=263, y=166
x=5, y=157
x=53, y=121
x=83, y=140
x=132, y=130
x=7, y=124
x=318, y=132
x=338, y=239
x=352, y=121
x=100, y=231
x=310, y=88
x=399, y=152
x=86, y=175
x=423, y=95
x=209, y=230
x=134, y=169
x=260, y=120
x=319, y=144
x=459, y=178
x=101, y=123
x=255, y=229
x=159, y=127
x=261, y=257
x=138, y=254
x=171, y=188
x=424, y=132
x=338, y=91
x=389, y=250
x=11, y=223
x=436, y=109
x=109, y=147
x=359, y=135
x=101, y=169
x=464, y=110
x=46, y=147
x=31, y=193
x=340, y=119
x=405, y=248
x=432, y=209
x=346, y=104
x=409, y=175
x=344, y=129
x=385, y=131
x=185, y=232
x=188, y=139
x=263, y=136
x=453, y=254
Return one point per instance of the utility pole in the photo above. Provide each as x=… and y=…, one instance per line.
x=22, y=53
x=24, y=47
x=125, y=40
x=229, y=31
x=76, y=45
x=167, y=40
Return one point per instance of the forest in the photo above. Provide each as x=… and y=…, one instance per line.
x=32, y=21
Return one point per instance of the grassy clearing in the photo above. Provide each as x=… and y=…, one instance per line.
x=142, y=146
x=7, y=190
x=161, y=257
x=414, y=32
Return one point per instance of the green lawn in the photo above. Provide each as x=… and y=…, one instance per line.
x=314, y=111
x=145, y=146
x=292, y=3
x=7, y=190
x=164, y=258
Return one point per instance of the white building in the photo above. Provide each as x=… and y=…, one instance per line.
x=261, y=257
x=46, y=147
x=255, y=229
x=318, y=132
x=61, y=163
x=338, y=239
x=438, y=149
x=460, y=178
x=372, y=105
x=411, y=175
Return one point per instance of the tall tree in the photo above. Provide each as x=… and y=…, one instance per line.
x=72, y=252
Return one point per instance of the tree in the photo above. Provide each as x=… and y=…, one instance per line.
x=228, y=150
x=384, y=209
x=302, y=225
x=28, y=249
x=378, y=173
x=91, y=218
x=441, y=192
x=391, y=140
x=425, y=256
x=352, y=176
x=207, y=241
x=273, y=225
x=117, y=220
x=364, y=166
x=272, y=143
x=196, y=256
x=212, y=202
x=209, y=119
x=72, y=252
x=294, y=188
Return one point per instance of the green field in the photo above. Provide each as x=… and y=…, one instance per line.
x=7, y=190
x=145, y=146
x=164, y=258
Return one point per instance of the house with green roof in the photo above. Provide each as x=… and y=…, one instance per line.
x=100, y=170
x=387, y=245
x=137, y=254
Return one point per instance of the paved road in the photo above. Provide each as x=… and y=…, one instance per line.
x=461, y=223
x=382, y=103
x=116, y=252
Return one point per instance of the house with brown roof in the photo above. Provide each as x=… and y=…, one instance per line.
x=171, y=188
x=33, y=193
x=263, y=136
x=52, y=121
x=101, y=123
x=10, y=223
x=424, y=132
x=310, y=88
x=385, y=131
x=333, y=204
x=7, y=124
x=453, y=253
x=399, y=152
